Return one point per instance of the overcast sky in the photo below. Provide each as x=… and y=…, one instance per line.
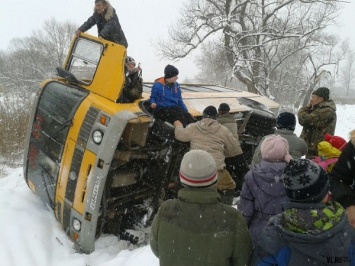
x=143, y=21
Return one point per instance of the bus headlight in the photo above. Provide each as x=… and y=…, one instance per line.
x=97, y=136
x=76, y=224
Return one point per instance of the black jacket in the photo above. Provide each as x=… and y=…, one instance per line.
x=342, y=177
x=108, y=26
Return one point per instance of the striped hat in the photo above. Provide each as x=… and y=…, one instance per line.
x=198, y=169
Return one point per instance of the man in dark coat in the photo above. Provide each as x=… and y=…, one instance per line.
x=285, y=127
x=197, y=229
x=342, y=178
x=318, y=117
x=106, y=20
x=312, y=230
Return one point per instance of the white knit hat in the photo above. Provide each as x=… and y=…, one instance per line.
x=198, y=169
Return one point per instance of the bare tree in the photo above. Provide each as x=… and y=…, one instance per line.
x=33, y=59
x=213, y=66
x=29, y=61
x=253, y=32
x=347, y=72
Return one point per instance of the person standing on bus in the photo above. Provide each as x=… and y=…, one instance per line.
x=106, y=20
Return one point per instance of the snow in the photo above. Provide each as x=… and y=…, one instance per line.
x=31, y=236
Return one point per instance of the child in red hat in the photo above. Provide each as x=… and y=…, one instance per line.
x=329, y=151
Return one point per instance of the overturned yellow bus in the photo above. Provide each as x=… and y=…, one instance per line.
x=96, y=160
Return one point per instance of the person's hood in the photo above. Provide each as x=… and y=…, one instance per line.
x=266, y=172
x=284, y=132
x=160, y=80
x=352, y=137
x=226, y=118
x=329, y=103
x=208, y=125
x=327, y=150
x=109, y=11
x=305, y=223
x=199, y=195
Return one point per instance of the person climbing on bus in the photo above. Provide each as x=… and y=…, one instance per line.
x=106, y=20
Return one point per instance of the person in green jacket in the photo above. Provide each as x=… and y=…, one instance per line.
x=197, y=228
x=318, y=117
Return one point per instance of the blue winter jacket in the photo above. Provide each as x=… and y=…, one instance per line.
x=278, y=246
x=165, y=95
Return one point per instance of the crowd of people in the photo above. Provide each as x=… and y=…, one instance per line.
x=297, y=197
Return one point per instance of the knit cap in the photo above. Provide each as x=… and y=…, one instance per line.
x=198, y=169
x=286, y=120
x=322, y=92
x=170, y=71
x=224, y=107
x=305, y=181
x=210, y=111
x=335, y=141
x=130, y=59
x=274, y=148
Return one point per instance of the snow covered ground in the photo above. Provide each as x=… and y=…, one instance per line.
x=31, y=236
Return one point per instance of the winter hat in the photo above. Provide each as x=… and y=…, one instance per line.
x=130, y=59
x=337, y=142
x=286, y=120
x=170, y=71
x=275, y=148
x=224, y=107
x=305, y=181
x=322, y=92
x=326, y=151
x=198, y=169
x=210, y=111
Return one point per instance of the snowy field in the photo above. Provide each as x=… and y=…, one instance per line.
x=31, y=236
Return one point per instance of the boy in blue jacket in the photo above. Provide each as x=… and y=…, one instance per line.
x=166, y=98
x=312, y=230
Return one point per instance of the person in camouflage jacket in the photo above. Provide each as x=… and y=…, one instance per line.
x=196, y=228
x=318, y=117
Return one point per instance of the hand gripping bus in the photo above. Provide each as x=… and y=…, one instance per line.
x=99, y=162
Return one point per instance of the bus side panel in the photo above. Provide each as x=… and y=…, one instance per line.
x=87, y=166
x=95, y=188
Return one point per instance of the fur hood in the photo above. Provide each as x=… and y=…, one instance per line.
x=352, y=136
x=109, y=11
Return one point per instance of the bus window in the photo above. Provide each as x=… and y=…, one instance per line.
x=85, y=58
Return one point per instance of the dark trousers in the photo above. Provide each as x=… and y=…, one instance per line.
x=171, y=114
x=237, y=166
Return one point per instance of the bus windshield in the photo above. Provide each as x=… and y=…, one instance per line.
x=53, y=118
